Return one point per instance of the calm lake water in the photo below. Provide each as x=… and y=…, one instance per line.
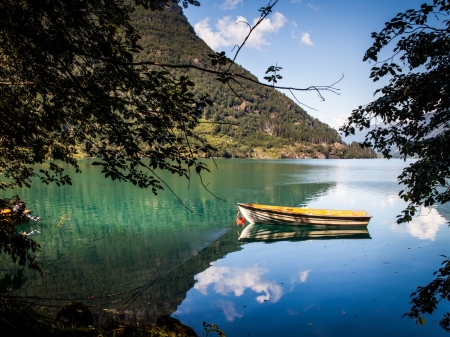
x=114, y=246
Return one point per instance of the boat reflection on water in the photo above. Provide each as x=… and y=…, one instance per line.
x=272, y=233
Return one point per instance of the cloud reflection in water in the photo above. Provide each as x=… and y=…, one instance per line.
x=424, y=226
x=236, y=280
x=227, y=307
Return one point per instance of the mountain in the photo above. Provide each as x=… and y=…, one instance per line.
x=248, y=120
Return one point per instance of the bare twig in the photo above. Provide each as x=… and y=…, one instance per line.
x=264, y=13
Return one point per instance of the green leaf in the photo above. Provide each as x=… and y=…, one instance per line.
x=422, y=321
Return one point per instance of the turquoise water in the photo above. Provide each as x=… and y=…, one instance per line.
x=122, y=241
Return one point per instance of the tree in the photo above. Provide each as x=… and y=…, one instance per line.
x=67, y=79
x=412, y=113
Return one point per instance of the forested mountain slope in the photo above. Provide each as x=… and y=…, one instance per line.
x=262, y=121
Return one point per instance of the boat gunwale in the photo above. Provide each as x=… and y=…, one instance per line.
x=251, y=207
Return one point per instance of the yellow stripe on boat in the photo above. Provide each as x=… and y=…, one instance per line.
x=311, y=211
x=257, y=213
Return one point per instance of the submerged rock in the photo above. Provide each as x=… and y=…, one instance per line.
x=74, y=315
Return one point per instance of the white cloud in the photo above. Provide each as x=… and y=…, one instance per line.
x=306, y=39
x=314, y=8
x=213, y=39
x=236, y=280
x=296, y=1
x=229, y=33
x=294, y=24
x=230, y=4
x=338, y=120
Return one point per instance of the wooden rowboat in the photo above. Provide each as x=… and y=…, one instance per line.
x=265, y=214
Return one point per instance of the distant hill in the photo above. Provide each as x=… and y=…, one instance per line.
x=264, y=123
x=359, y=137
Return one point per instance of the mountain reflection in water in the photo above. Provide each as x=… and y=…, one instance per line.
x=164, y=296
x=271, y=233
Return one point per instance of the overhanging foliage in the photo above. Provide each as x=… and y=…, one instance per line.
x=67, y=78
x=413, y=110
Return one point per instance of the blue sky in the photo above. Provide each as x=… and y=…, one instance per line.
x=314, y=41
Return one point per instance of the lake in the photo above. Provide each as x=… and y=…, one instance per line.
x=118, y=248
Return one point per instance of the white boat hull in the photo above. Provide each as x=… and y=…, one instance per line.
x=270, y=216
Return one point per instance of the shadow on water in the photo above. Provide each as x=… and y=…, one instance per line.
x=163, y=294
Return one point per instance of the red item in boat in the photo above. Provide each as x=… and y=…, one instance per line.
x=240, y=221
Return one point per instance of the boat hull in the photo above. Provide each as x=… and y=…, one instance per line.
x=265, y=214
